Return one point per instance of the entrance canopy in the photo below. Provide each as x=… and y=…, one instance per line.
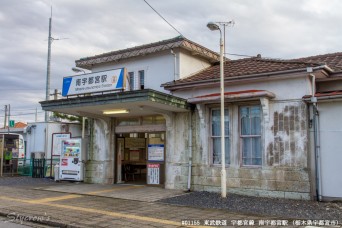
x=122, y=104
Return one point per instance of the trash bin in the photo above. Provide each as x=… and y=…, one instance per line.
x=56, y=172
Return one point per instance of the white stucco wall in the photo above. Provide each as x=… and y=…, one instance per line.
x=190, y=64
x=35, y=141
x=100, y=153
x=285, y=89
x=159, y=67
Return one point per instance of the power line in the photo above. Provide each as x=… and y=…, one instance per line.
x=163, y=18
x=241, y=55
x=25, y=114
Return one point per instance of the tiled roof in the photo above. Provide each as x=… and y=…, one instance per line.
x=325, y=94
x=333, y=60
x=177, y=42
x=20, y=125
x=244, y=67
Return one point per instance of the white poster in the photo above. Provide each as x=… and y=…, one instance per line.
x=57, y=139
x=156, y=152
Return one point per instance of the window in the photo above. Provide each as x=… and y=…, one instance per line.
x=142, y=79
x=216, y=135
x=250, y=121
x=131, y=80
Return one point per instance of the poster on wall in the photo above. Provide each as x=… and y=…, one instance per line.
x=153, y=173
x=57, y=139
x=156, y=152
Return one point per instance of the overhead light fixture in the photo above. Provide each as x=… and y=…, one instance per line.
x=213, y=26
x=115, y=111
x=78, y=70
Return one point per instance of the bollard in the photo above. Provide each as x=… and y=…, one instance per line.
x=56, y=171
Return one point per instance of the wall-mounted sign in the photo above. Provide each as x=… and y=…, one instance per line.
x=156, y=152
x=94, y=82
x=135, y=143
x=153, y=173
x=57, y=139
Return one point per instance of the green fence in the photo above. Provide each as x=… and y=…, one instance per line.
x=37, y=168
x=24, y=167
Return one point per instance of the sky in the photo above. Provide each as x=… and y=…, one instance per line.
x=281, y=29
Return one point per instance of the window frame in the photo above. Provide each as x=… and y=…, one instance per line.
x=131, y=80
x=211, y=137
x=141, y=78
x=250, y=136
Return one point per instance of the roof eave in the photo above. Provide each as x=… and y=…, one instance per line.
x=173, y=86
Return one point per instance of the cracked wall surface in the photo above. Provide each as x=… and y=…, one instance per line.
x=284, y=172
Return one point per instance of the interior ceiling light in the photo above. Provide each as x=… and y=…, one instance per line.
x=115, y=111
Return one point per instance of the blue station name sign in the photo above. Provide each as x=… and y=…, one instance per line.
x=94, y=82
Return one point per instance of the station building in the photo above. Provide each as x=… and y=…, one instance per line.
x=154, y=118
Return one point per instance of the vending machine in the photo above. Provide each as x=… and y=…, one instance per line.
x=71, y=165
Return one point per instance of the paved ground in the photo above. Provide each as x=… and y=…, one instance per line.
x=83, y=205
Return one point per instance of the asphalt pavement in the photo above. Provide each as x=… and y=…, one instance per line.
x=67, y=204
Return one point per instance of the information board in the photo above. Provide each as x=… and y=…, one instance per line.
x=156, y=152
x=153, y=173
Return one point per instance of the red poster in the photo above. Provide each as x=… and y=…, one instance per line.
x=153, y=165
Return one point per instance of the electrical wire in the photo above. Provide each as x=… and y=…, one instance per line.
x=163, y=18
x=241, y=55
x=25, y=114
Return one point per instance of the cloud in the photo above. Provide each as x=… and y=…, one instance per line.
x=273, y=28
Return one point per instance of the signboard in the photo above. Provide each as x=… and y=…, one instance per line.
x=135, y=143
x=94, y=82
x=156, y=152
x=11, y=123
x=57, y=139
x=153, y=173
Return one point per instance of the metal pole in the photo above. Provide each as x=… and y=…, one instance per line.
x=47, y=97
x=2, y=153
x=223, y=151
x=5, y=121
x=9, y=117
x=36, y=115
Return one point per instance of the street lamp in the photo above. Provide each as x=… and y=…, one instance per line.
x=78, y=70
x=216, y=26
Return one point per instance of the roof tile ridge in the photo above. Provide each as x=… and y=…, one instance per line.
x=321, y=55
x=136, y=48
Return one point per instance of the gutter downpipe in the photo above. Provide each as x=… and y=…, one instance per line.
x=190, y=151
x=174, y=64
x=315, y=113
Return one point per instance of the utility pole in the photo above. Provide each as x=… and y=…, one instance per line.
x=55, y=94
x=9, y=117
x=36, y=116
x=47, y=97
x=5, y=121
